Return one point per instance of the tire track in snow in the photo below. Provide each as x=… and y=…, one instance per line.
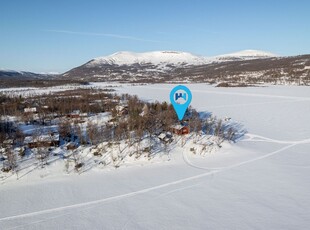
x=220, y=169
x=126, y=195
x=211, y=171
x=157, y=197
x=267, y=139
x=251, y=139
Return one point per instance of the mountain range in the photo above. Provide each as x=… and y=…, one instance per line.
x=13, y=74
x=248, y=66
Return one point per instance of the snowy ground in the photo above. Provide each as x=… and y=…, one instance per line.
x=262, y=182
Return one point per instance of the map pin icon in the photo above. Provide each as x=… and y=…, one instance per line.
x=180, y=98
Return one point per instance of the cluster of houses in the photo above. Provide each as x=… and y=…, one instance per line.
x=33, y=117
x=53, y=139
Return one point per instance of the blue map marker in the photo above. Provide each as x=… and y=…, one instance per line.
x=180, y=98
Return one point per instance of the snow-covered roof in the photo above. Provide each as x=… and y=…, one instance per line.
x=120, y=107
x=8, y=141
x=30, y=110
x=75, y=112
x=41, y=138
x=162, y=136
x=177, y=126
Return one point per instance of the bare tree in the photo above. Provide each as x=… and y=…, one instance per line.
x=139, y=135
x=42, y=154
x=10, y=164
x=40, y=143
x=77, y=161
x=64, y=129
x=219, y=132
x=19, y=137
x=78, y=131
x=92, y=132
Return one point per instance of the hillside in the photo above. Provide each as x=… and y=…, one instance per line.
x=12, y=74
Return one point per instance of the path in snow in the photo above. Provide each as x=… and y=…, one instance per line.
x=186, y=160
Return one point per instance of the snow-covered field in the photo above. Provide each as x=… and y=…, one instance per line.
x=262, y=182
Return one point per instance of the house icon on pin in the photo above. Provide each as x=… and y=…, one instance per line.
x=180, y=95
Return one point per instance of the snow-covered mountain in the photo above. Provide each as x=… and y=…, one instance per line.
x=12, y=74
x=246, y=55
x=155, y=58
x=174, y=66
x=175, y=58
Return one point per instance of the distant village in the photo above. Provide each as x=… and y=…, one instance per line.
x=62, y=125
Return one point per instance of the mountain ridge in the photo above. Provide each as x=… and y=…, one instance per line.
x=173, y=57
x=249, y=66
x=14, y=74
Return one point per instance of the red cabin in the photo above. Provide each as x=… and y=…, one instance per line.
x=180, y=129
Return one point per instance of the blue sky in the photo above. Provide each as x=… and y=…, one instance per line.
x=44, y=36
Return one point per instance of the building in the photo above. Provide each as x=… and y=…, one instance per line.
x=165, y=137
x=42, y=140
x=30, y=110
x=180, y=129
x=71, y=146
x=74, y=114
x=121, y=110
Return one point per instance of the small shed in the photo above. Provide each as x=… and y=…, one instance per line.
x=165, y=137
x=30, y=110
x=180, y=129
x=71, y=146
x=8, y=142
x=121, y=110
x=74, y=114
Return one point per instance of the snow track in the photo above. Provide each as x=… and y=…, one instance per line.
x=96, y=202
x=258, y=138
x=252, y=138
x=211, y=171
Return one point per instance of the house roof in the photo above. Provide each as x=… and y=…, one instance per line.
x=178, y=127
x=75, y=112
x=41, y=138
x=30, y=110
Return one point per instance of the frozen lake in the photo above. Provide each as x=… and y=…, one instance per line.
x=262, y=182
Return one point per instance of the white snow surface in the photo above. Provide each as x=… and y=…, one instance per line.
x=261, y=182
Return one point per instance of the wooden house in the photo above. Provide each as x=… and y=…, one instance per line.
x=180, y=129
x=42, y=141
x=74, y=114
